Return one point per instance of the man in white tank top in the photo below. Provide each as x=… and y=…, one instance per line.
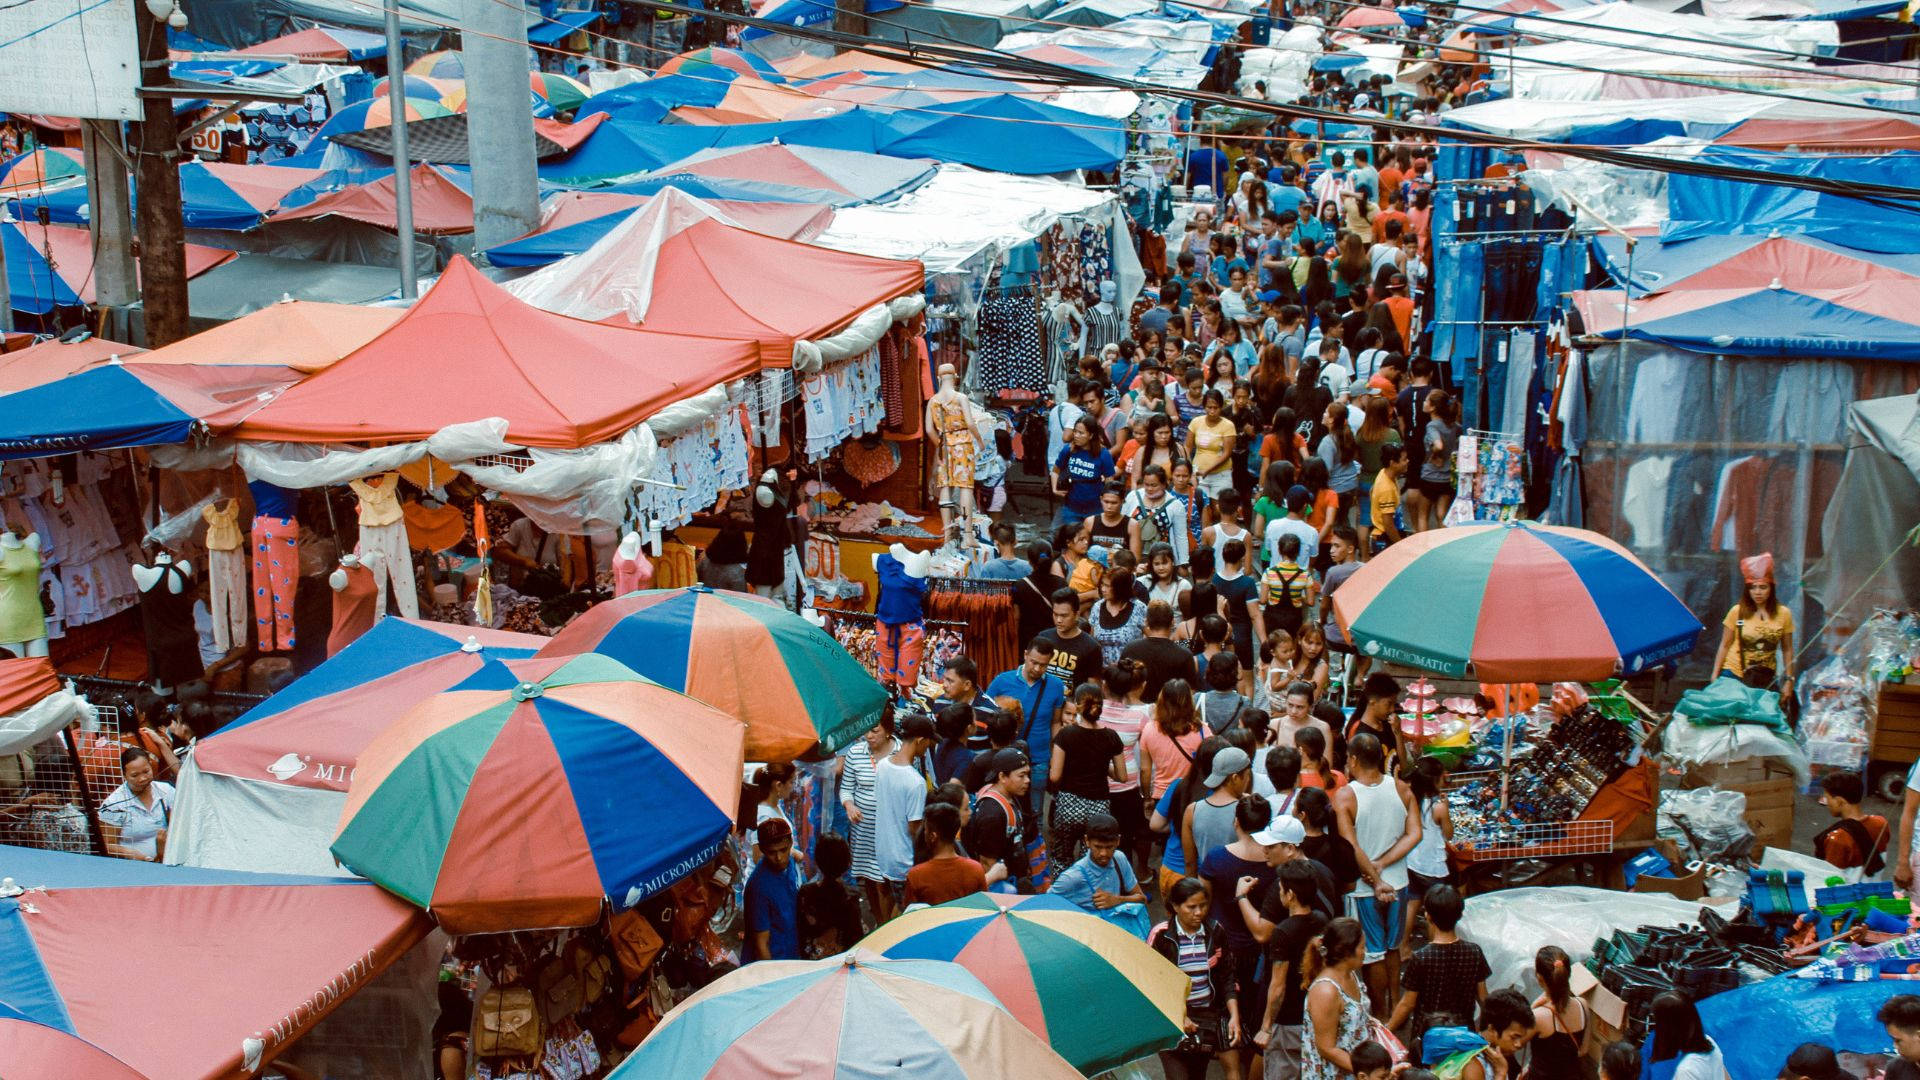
x=1380, y=818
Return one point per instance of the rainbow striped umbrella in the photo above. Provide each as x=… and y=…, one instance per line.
x=856, y=1016
x=445, y=64
x=729, y=62
x=561, y=93
x=377, y=112
x=1515, y=602
x=419, y=87
x=1045, y=959
x=789, y=681
x=532, y=807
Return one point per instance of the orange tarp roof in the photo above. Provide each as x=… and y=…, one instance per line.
x=304, y=335
x=469, y=351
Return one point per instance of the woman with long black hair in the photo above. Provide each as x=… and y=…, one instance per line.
x=1680, y=1047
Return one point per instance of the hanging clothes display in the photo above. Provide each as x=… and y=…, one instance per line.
x=1096, y=259
x=1012, y=354
x=839, y=402
x=985, y=609
x=226, y=574
x=166, y=614
x=704, y=462
x=383, y=543
x=1492, y=484
x=275, y=539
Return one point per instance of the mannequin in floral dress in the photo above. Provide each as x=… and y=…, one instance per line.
x=951, y=424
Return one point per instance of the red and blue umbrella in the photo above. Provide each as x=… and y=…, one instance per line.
x=115, y=968
x=1511, y=603
x=789, y=681
x=536, y=806
x=856, y=1016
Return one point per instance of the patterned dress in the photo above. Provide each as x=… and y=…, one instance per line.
x=1353, y=1032
x=952, y=421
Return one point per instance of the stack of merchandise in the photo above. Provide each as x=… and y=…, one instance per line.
x=1549, y=782
x=1838, y=695
x=1442, y=729
x=1716, y=956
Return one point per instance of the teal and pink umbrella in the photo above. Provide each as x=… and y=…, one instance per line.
x=789, y=681
x=1513, y=603
x=1045, y=959
x=856, y=1016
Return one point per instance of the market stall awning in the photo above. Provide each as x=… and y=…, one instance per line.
x=469, y=351
x=439, y=205
x=179, y=972
x=248, y=283
x=213, y=195
x=266, y=790
x=565, y=232
x=51, y=266
x=1792, y=262
x=676, y=267
x=299, y=334
x=322, y=43
x=784, y=173
x=1872, y=319
x=1010, y=134
x=40, y=168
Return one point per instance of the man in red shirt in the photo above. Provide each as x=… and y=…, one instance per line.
x=945, y=874
x=1401, y=308
x=1855, y=838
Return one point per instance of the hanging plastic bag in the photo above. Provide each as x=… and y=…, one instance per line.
x=1707, y=824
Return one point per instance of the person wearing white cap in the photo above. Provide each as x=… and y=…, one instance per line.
x=1208, y=822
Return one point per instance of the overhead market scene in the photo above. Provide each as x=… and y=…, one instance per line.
x=830, y=539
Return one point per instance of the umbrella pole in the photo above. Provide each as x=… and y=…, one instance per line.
x=1506, y=751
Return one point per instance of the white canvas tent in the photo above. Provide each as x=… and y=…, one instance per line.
x=1869, y=558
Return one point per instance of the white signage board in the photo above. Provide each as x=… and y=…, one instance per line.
x=69, y=58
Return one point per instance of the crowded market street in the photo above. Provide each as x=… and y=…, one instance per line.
x=1126, y=539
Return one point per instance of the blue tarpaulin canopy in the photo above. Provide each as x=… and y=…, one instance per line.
x=810, y=13
x=1701, y=206
x=1009, y=134
x=560, y=26
x=106, y=408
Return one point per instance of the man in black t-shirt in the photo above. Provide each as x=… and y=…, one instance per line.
x=1076, y=655
x=1160, y=657
x=1295, y=924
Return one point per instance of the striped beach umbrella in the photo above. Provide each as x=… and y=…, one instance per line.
x=1515, y=602
x=419, y=86
x=560, y=92
x=789, y=681
x=445, y=64
x=582, y=785
x=377, y=113
x=1045, y=959
x=856, y=1016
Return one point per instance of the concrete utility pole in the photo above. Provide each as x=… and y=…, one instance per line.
x=506, y=193
x=109, y=214
x=402, y=162
x=163, y=237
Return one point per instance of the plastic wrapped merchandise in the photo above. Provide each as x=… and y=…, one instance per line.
x=1707, y=824
x=1512, y=924
x=1835, y=714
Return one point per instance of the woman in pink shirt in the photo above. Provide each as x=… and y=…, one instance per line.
x=1167, y=741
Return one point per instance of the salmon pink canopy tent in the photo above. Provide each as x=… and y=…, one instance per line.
x=470, y=351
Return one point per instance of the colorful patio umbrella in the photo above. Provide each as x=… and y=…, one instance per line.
x=248, y=963
x=789, y=681
x=1362, y=17
x=1516, y=602
x=704, y=62
x=423, y=87
x=563, y=94
x=849, y=1017
x=536, y=806
x=1045, y=958
x=28, y=173
x=445, y=64
x=378, y=113
x=456, y=100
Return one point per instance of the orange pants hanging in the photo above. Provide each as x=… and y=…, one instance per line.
x=276, y=570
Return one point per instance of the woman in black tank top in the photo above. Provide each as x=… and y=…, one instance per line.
x=1556, y=1045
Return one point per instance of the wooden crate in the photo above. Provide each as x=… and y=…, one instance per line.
x=1896, y=724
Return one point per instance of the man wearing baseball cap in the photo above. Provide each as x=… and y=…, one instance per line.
x=996, y=835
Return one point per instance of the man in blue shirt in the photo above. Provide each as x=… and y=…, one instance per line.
x=1041, y=698
x=773, y=897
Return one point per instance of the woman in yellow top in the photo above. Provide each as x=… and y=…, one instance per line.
x=1210, y=446
x=1757, y=645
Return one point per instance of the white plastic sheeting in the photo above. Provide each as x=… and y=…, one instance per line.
x=25, y=728
x=229, y=823
x=1513, y=924
x=615, y=275
x=1685, y=743
x=965, y=220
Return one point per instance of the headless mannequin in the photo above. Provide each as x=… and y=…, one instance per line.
x=900, y=616
x=956, y=442
x=355, y=602
x=631, y=569
x=22, y=620
x=767, y=557
x=166, y=614
x=383, y=543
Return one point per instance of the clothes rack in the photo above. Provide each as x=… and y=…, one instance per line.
x=986, y=610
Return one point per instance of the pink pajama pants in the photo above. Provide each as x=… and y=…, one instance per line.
x=276, y=570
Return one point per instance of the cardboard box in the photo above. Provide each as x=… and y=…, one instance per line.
x=1684, y=884
x=1606, y=1013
